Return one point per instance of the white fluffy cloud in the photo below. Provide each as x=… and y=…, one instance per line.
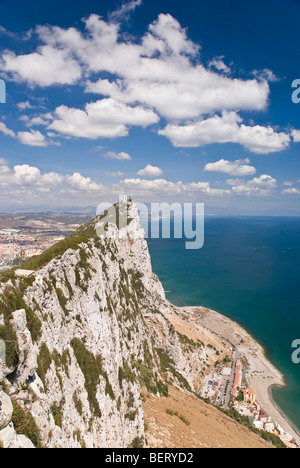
x=266, y=74
x=122, y=156
x=259, y=186
x=181, y=97
x=160, y=75
x=4, y=169
x=296, y=136
x=290, y=183
x=236, y=168
x=163, y=75
x=29, y=176
x=218, y=63
x=162, y=187
x=33, y=138
x=24, y=183
x=115, y=174
x=125, y=10
x=290, y=191
x=106, y=118
x=34, y=121
x=159, y=71
x=6, y=131
x=151, y=187
x=81, y=183
x=25, y=175
x=24, y=105
x=227, y=128
x=46, y=67
x=150, y=171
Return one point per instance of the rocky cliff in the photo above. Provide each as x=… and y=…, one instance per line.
x=84, y=334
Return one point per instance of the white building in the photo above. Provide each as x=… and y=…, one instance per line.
x=258, y=424
x=270, y=427
x=226, y=372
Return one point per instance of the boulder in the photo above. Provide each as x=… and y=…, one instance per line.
x=6, y=410
x=24, y=442
x=8, y=437
x=19, y=320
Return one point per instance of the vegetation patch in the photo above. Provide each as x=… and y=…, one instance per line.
x=168, y=365
x=78, y=437
x=180, y=416
x=82, y=266
x=132, y=415
x=72, y=242
x=66, y=361
x=137, y=443
x=34, y=324
x=62, y=300
x=8, y=335
x=57, y=412
x=91, y=367
x=25, y=424
x=44, y=362
x=189, y=342
x=78, y=404
x=12, y=300
x=136, y=282
x=125, y=373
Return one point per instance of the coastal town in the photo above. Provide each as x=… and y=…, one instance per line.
x=244, y=384
x=24, y=236
x=235, y=375
x=227, y=387
x=17, y=245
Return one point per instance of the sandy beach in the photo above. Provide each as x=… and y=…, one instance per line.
x=261, y=375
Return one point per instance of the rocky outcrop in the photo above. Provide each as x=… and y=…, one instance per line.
x=27, y=352
x=8, y=436
x=90, y=334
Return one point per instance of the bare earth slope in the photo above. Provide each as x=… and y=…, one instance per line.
x=203, y=425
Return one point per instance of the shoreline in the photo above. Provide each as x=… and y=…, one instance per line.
x=262, y=375
x=293, y=426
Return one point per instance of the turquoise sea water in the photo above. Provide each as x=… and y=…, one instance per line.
x=249, y=270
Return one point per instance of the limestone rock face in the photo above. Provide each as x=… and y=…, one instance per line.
x=96, y=313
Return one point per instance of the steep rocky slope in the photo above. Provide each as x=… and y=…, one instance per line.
x=83, y=335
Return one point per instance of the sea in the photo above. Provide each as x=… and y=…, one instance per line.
x=248, y=270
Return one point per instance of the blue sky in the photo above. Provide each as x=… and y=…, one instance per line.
x=164, y=101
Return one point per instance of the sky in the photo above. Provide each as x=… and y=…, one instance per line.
x=164, y=101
